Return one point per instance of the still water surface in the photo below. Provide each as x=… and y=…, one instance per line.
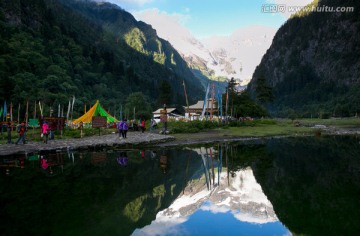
x=308, y=186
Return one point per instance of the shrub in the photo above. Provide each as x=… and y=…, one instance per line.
x=191, y=127
x=264, y=122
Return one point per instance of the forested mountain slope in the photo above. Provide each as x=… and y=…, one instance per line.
x=54, y=49
x=313, y=66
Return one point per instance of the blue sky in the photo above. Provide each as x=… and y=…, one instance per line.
x=206, y=18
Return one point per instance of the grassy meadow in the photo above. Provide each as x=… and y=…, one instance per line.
x=268, y=127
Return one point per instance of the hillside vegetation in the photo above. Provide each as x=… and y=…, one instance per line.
x=55, y=49
x=312, y=66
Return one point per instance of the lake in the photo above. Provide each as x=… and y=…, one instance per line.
x=300, y=186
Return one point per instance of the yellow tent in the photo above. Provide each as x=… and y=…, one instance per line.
x=96, y=110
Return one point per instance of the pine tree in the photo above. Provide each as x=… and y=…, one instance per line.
x=263, y=91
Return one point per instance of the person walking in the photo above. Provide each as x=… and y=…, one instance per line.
x=21, y=131
x=153, y=125
x=142, y=125
x=45, y=131
x=125, y=128
x=120, y=128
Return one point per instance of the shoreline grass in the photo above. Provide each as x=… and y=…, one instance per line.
x=271, y=127
x=207, y=129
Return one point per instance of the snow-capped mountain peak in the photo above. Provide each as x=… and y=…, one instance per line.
x=234, y=56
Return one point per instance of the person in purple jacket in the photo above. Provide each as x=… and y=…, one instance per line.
x=119, y=127
x=125, y=128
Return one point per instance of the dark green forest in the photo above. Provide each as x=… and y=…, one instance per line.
x=241, y=104
x=312, y=66
x=53, y=50
x=93, y=196
x=312, y=183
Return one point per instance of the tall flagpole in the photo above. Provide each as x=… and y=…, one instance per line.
x=5, y=111
x=227, y=101
x=187, y=101
x=121, y=116
x=41, y=110
x=35, y=110
x=72, y=107
x=221, y=107
x=205, y=102
x=212, y=101
x=219, y=104
x=19, y=114
x=207, y=108
x=27, y=112
x=68, y=111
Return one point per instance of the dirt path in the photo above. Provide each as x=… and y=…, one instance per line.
x=139, y=139
x=110, y=140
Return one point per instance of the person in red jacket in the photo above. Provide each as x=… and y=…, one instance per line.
x=45, y=130
x=142, y=125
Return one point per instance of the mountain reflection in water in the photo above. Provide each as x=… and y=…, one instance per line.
x=305, y=186
x=235, y=200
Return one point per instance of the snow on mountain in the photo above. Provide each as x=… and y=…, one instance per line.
x=235, y=56
x=238, y=55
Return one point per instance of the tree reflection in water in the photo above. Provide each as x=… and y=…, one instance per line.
x=310, y=184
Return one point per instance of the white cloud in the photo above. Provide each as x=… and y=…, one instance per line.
x=215, y=208
x=251, y=218
x=167, y=25
x=163, y=225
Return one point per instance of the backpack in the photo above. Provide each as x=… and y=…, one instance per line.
x=21, y=129
x=125, y=126
x=120, y=125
